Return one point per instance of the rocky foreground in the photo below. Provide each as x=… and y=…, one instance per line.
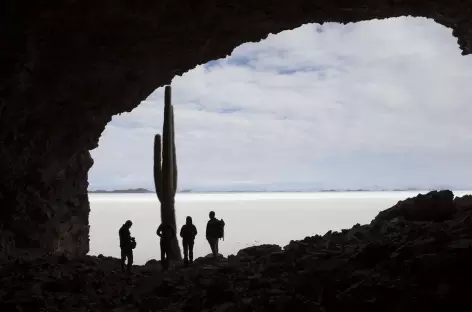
x=415, y=256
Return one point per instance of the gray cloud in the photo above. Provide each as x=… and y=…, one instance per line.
x=378, y=103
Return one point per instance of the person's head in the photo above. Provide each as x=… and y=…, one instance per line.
x=212, y=214
x=128, y=224
x=189, y=220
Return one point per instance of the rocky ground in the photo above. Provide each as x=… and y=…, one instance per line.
x=415, y=256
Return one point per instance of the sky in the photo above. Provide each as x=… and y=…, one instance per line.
x=372, y=105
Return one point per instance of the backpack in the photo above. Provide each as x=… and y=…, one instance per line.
x=221, y=229
x=132, y=243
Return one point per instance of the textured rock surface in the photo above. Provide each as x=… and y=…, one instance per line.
x=433, y=206
x=463, y=203
x=393, y=266
x=67, y=66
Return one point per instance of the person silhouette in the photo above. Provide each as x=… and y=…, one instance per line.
x=126, y=246
x=214, y=231
x=166, y=233
x=188, y=233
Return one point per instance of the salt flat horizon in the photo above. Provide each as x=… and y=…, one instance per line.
x=266, y=195
x=251, y=218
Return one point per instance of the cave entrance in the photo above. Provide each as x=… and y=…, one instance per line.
x=378, y=105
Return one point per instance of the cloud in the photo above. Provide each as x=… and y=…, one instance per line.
x=377, y=103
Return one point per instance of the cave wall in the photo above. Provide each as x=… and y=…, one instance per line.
x=67, y=66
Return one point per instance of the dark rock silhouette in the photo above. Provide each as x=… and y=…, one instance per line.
x=392, y=265
x=259, y=251
x=69, y=66
x=433, y=206
x=165, y=172
x=153, y=263
x=463, y=203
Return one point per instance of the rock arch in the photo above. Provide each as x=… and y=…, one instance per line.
x=67, y=66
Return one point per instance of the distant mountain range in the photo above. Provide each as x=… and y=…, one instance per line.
x=308, y=191
x=136, y=190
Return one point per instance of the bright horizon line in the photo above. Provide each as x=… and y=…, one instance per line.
x=150, y=197
x=286, y=192
x=314, y=190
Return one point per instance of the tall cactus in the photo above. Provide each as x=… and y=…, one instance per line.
x=165, y=171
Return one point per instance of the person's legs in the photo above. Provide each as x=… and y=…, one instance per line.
x=190, y=250
x=210, y=242
x=214, y=246
x=163, y=255
x=130, y=260
x=186, y=247
x=168, y=252
x=123, y=259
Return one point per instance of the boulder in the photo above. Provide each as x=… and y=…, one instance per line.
x=434, y=206
x=208, y=259
x=463, y=203
x=372, y=253
x=259, y=251
x=153, y=264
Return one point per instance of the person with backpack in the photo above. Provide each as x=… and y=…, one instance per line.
x=127, y=244
x=188, y=233
x=214, y=231
x=166, y=233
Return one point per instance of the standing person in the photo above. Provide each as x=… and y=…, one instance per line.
x=166, y=233
x=188, y=233
x=214, y=231
x=127, y=244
